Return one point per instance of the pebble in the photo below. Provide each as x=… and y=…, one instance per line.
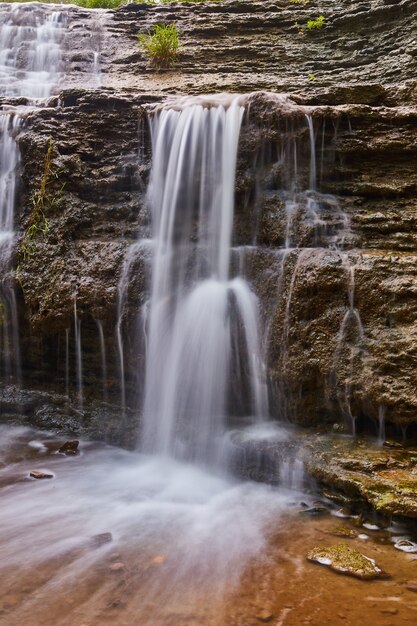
x=39, y=475
x=411, y=585
x=117, y=567
x=405, y=545
x=265, y=616
x=158, y=560
x=389, y=611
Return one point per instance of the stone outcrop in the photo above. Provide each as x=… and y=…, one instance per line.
x=339, y=314
x=382, y=477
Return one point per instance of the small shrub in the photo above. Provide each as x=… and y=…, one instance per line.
x=162, y=46
x=317, y=23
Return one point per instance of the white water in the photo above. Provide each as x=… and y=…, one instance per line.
x=9, y=162
x=200, y=323
x=31, y=61
x=185, y=536
x=9, y=167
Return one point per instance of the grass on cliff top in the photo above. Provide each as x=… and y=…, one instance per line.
x=106, y=4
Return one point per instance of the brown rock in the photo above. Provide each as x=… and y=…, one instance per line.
x=265, y=616
x=70, y=447
x=117, y=567
x=40, y=475
x=411, y=585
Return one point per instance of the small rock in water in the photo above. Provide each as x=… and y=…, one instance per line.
x=158, y=559
x=411, y=585
x=70, y=447
x=117, y=567
x=344, y=531
x=315, y=510
x=101, y=539
x=345, y=560
x=40, y=474
x=265, y=616
x=390, y=443
x=389, y=611
x=406, y=545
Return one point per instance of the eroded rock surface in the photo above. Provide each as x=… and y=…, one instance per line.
x=384, y=478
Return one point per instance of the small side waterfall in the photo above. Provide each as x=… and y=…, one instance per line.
x=30, y=51
x=202, y=326
x=9, y=166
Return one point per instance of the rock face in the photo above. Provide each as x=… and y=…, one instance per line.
x=382, y=477
x=329, y=246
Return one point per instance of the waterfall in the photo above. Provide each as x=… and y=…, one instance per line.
x=31, y=51
x=9, y=165
x=202, y=326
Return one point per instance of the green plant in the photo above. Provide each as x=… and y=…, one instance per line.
x=161, y=47
x=43, y=199
x=311, y=76
x=319, y=22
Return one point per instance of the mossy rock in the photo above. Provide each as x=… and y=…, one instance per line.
x=345, y=560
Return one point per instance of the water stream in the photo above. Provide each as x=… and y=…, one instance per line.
x=200, y=323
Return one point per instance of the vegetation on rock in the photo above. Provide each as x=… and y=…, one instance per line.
x=317, y=23
x=43, y=199
x=162, y=46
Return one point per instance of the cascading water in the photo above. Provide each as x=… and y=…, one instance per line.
x=33, y=64
x=196, y=310
x=9, y=164
x=30, y=51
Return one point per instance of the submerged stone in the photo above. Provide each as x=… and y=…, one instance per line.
x=265, y=616
x=405, y=545
x=345, y=560
x=101, y=539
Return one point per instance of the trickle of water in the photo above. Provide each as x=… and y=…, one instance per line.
x=78, y=355
x=201, y=326
x=67, y=332
x=9, y=163
x=382, y=409
x=103, y=358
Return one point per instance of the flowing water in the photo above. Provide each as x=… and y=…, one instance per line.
x=201, y=324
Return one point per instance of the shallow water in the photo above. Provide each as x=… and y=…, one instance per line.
x=186, y=547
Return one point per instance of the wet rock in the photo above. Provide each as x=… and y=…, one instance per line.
x=117, y=567
x=101, y=539
x=265, y=616
x=315, y=510
x=343, y=531
x=345, y=560
x=411, y=585
x=159, y=559
x=70, y=447
x=40, y=474
x=389, y=611
x=379, y=477
x=405, y=545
